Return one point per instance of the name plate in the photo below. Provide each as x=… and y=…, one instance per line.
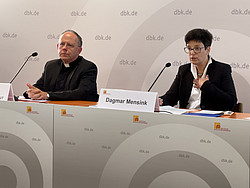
x=128, y=100
x=6, y=92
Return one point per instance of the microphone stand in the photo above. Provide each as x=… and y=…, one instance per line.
x=167, y=65
x=20, y=69
x=33, y=54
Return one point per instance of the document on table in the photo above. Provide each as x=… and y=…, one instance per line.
x=30, y=100
x=208, y=113
x=173, y=110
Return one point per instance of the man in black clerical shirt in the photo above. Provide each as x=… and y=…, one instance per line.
x=69, y=78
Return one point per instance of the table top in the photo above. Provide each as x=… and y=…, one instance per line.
x=74, y=103
x=235, y=115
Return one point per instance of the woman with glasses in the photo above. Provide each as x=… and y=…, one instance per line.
x=204, y=83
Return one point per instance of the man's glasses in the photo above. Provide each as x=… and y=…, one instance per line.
x=195, y=49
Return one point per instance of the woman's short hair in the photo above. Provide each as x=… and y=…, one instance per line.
x=201, y=35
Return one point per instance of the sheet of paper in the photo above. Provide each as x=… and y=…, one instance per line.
x=173, y=110
x=209, y=112
x=30, y=100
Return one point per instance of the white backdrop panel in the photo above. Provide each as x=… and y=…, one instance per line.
x=130, y=41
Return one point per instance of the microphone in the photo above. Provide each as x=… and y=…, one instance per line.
x=167, y=65
x=32, y=55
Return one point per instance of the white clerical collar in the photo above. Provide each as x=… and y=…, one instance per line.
x=66, y=65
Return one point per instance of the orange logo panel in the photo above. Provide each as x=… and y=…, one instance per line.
x=135, y=118
x=63, y=112
x=216, y=125
x=29, y=109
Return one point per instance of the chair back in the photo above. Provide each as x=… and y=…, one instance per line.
x=238, y=107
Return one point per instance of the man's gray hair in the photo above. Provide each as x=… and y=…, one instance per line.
x=78, y=36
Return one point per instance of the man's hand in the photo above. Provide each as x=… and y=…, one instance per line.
x=160, y=101
x=35, y=93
